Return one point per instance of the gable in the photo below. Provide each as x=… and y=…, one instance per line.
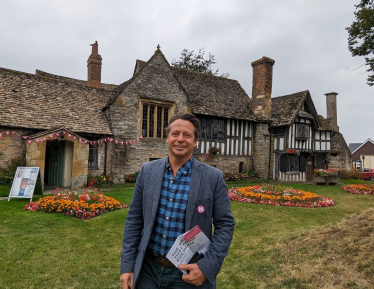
x=152, y=80
x=285, y=109
x=366, y=148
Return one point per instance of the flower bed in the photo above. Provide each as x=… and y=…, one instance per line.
x=251, y=175
x=278, y=196
x=326, y=172
x=359, y=189
x=85, y=205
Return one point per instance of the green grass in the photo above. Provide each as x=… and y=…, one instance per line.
x=4, y=191
x=40, y=250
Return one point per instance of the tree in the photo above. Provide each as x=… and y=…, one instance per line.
x=196, y=62
x=361, y=35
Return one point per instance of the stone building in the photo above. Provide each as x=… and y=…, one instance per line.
x=70, y=127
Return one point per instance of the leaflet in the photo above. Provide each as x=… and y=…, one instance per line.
x=189, y=247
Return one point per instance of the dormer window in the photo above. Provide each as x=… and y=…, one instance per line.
x=302, y=131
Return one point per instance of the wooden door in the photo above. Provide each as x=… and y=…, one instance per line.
x=309, y=168
x=56, y=163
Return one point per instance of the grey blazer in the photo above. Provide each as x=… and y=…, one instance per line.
x=207, y=188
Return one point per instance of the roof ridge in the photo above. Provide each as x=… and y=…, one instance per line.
x=306, y=91
x=203, y=73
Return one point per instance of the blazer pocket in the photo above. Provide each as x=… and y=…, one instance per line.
x=203, y=207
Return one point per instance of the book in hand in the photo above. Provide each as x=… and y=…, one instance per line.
x=189, y=247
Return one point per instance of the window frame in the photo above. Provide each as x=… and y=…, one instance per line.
x=156, y=123
x=302, y=132
x=221, y=123
x=93, y=150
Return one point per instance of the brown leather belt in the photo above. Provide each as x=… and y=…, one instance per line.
x=162, y=260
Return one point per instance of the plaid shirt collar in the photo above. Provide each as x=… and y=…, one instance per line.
x=185, y=168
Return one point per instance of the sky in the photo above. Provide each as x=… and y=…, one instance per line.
x=306, y=38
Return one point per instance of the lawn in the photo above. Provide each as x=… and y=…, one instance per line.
x=40, y=250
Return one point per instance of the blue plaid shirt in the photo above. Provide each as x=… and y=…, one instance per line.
x=171, y=212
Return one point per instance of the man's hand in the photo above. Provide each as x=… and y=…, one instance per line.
x=195, y=277
x=125, y=279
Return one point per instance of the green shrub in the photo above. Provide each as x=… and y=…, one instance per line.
x=7, y=173
x=353, y=174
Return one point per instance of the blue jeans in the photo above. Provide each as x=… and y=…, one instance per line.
x=154, y=276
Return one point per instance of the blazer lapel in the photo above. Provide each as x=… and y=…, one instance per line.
x=156, y=179
x=193, y=193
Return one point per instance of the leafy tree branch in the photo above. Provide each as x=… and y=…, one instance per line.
x=196, y=62
x=361, y=36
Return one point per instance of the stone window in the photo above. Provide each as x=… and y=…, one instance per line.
x=92, y=156
x=212, y=128
x=155, y=119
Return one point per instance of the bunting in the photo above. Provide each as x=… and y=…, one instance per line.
x=72, y=137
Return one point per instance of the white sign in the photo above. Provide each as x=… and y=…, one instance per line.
x=189, y=247
x=24, y=183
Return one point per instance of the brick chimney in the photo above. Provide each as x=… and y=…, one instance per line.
x=94, y=67
x=332, y=115
x=261, y=87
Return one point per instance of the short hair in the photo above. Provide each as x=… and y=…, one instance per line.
x=185, y=116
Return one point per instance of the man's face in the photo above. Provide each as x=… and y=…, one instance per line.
x=181, y=139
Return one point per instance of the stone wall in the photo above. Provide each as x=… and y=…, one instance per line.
x=35, y=157
x=79, y=165
x=11, y=146
x=227, y=163
x=101, y=160
x=342, y=160
x=261, y=145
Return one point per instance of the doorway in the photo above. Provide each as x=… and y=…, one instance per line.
x=309, y=168
x=54, y=163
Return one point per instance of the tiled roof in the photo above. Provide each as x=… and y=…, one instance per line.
x=214, y=95
x=284, y=108
x=324, y=123
x=304, y=114
x=45, y=102
x=71, y=80
x=354, y=146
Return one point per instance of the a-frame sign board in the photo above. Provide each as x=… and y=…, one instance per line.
x=26, y=183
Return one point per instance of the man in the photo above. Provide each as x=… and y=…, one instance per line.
x=171, y=196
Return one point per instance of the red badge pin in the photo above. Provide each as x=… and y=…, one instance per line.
x=201, y=209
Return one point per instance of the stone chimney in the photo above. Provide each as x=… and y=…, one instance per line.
x=261, y=87
x=332, y=116
x=94, y=67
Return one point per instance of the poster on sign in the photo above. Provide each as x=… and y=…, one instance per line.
x=24, y=183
